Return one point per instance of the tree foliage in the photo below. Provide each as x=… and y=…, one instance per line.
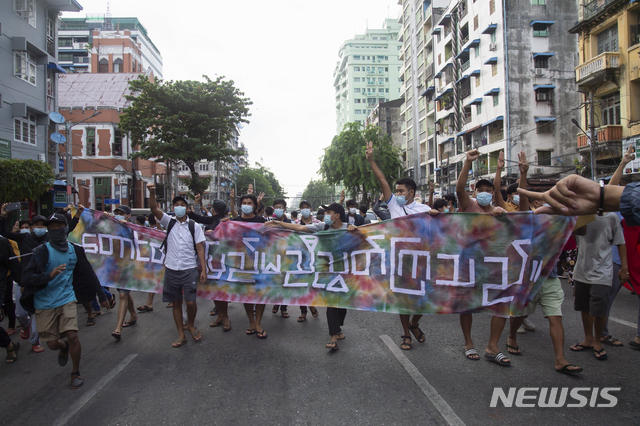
x=319, y=192
x=278, y=190
x=255, y=177
x=187, y=121
x=24, y=179
x=344, y=160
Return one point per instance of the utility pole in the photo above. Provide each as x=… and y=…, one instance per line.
x=592, y=137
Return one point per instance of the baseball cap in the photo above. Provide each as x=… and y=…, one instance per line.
x=37, y=218
x=219, y=206
x=123, y=208
x=179, y=198
x=56, y=217
x=336, y=208
x=484, y=182
x=304, y=202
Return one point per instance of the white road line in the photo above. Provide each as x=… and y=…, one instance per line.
x=441, y=405
x=93, y=391
x=623, y=322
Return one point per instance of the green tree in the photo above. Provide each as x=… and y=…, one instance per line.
x=278, y=190
x=187, y=121
x=24, y=179
x=255, y=177
x=318, y=192
x=344, y=160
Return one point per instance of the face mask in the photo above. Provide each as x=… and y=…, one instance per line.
x=39, y=231
x=446, y=210
x=484, y=198
x=247, y=209
x=147, y=224
x=401, y=200
x=352, y=211
x=328, y=220
x=305, y=213
x=516, y=200
x=58, y=238
x=180, y=211
x=120, y=217
x=25, y=231
x=278, y=212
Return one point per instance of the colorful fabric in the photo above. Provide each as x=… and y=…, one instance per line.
x=450, y=263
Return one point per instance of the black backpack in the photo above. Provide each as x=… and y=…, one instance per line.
x=192, y=229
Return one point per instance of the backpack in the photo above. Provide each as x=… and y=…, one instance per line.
x=192, y=229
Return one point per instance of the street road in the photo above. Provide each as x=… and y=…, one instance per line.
x=290, y=378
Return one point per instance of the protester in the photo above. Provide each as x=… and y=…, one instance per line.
x=380, y=209
x=320, y=215
x=353, y=217
x=306, y=219
x=9, y=265
x=59, y=276
x=279, y=213
x=451, y=199
x=184, y=244
x=363, y=213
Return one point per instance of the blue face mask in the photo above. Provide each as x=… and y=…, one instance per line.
x=401, y=200
x=278, y=212
x=39, y=231
x=484, y=198
x=147, y=224
x=516, y=200
x=446, y=210
x=305, y=213
x=328, y=220
x=247, y=209
x=25, y=231
x=180, y=211
x=119, y=217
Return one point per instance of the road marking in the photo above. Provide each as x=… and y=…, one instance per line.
x=441, y=405
x=623, y=322
x=93, y=391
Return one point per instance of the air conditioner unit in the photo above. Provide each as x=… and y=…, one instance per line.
x=539, y=171
x=539, y=72
x=493, y=46
x=542, y=96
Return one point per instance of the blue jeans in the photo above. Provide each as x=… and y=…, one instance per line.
x=94, y=303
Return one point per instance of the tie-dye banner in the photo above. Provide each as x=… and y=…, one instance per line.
x=450, y=263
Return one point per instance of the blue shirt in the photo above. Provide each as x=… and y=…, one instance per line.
x=614, y=250
x=630, y=203
x=59, y=291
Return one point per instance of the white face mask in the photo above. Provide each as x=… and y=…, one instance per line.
x=352, y=211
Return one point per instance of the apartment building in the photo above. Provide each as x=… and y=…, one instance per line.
x=386, y=115
x=608, y=73
x=367, y=73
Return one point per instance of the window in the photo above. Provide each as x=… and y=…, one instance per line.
x=634, y=27
x=439, y=58
x=358, y=111
x=494, y=69
x=24, y=66
x=26, y=9
x=544, y=127
x=25, y=129
x=540, y=30
x=541, y=62
x=611, y=110
x=386, y=90
x=64, y=42
x=118, y=66
x=381, y=80
x=475, y=22
x=356, y=79
x=356, y=90
x=477, y=51
x=608, y=40
x=380, y=90
x=91, y=141
x=357, y=101
x=544, y=158
x=478, y=81
x=496, y=100
x=492, y=6
x=203, y=167
x=356, y=68
x=356, y=57
x=116, y=149
x=386, y=80
x=538, y=2
x=103, y=66
x=68, y=57
x=478, y=109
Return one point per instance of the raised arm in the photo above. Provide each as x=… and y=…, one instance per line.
x=289, y=226
x=153, y=206
x=386, y=189
x=432, y=189
x=461, y=190
x=232, y=201
x=523, y=165
x=15, y=236
x=626, y=159
x=497, y=181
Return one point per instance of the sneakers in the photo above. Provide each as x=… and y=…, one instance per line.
x=521, y=330
x=76, y=380
x=63, y=355
x=528, y=325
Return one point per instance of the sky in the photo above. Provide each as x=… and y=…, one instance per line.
x=281, y=54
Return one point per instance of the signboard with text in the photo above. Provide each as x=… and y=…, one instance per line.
x=5, y=148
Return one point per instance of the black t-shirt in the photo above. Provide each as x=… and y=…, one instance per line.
x=255, y=219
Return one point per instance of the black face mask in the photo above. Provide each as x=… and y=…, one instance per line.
x=58, y=238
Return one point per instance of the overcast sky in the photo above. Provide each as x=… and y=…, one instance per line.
x=281, y=54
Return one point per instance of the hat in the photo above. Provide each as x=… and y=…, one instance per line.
x=219, y=206
x=56, y=217
x=484, y=182
x=23, y=221
x=179, y=198
x=336, y=208
x=123, y=208
x=37, y=218
x=304, y=202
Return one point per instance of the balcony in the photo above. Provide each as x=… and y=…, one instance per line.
x=496, y=135
x=465, y=66
x=464, y=40
x=598, y=69
x=448, y=55
x=371, y=82
x=428, y=72
x=371, y=72
x=603, y=134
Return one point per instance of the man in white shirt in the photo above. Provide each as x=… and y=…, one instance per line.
x=402, y=204
x=184, y=241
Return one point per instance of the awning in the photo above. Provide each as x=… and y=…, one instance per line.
x=460, y=134
x=491, y=28
x=499, y=118
x=493, y=60
x=543, y=86
x=475, y=73
x=473, y=129
x=544, y=119
x=55, y=67
x=547, y=54
x=474, y=43
x=436, y=30
x=438, y=75
x=429, y=89
x=475, y=101
x=542, y=22
x=449, y=90
x=448, y=64
x=448, y=140
x=445, y=116
x=444, y=19
x=464, y=77
x=462, y=52
x=63, y=184
x=492, y=92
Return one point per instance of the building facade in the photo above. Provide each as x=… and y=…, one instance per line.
x=82, y=39
x=608, y=75
x=367, y=73
x=386, y=115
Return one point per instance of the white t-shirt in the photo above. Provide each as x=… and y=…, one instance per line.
x=181, y=255
x=397, y=211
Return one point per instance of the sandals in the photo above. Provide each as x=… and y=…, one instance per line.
x=314, y=311
x=579, y=347
x=251, y=331
x=144, y=308
x=129, y=323
x=469, y=353
x=116, y=336
x=406, y=343
x=285, y=314
x=420, y=337
x=91, y=321
x=567, y=370
x=216, y=323
x=262, y=335
x=499, y=359
x=179, y=343
x=333, y=346
x=197, y=336
x=275, y=308
x=302, y=318
x=227, y=327
x=600, y=356
x=37, y=349
x=15, y=349
x=514, y=348
x=609, y=340
x=112, y=302
x=25, y=333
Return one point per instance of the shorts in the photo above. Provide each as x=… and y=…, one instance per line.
x=592, y=298
x=178, y=282
x=550, y=298
x=53, y=323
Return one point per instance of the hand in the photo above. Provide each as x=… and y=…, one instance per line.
x=79, y=210
x=497, y=213
x=190, y=209
x=342, y=195
x=151, y=187
x=273, y=224
x=628, y=156
x=352, y=228
x=232, y=193
x=523, y=165
x=106, y=305
x=572, y=196
x=472, y=155
x=250, y=189
x=225, y=219
x=260, y=197
x=3, y=212
x=432, y=187
x=369, y=151
x=203, y=276
x=381, y=197
x=197, y=199
x=501, y=160
x=16, y=227
x=434, y=212
x=623, y=274
x=57, y=270
x=68, y=208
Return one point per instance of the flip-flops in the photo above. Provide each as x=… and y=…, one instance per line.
x=144, y=308
x=600, y=356
x=262, y=335
x=91, y=321
x=499, y=359
x=129, y=323
x=634, y=345
x=469, y=354
x=515, y=348
x=302, y=318
x=197, y=336
x=251, y=331
x=333, y=346
x=567, y=370
x=179, y=343
x=116, y=336
x=314, y=311
x=579, y=348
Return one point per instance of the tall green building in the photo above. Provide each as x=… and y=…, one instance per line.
x=367, y=73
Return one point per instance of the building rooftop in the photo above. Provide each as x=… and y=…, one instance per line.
x=94, y=90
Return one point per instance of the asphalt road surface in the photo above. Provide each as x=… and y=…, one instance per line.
x=290, y=378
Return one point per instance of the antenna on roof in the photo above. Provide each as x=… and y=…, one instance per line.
x=108, y=10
